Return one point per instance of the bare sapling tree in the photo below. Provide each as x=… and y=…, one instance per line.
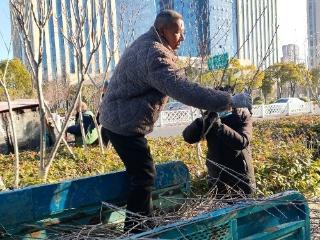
x=124, y=24
x=258, y=20
x=58, y=131
x=97, y=85
x=99, y=93
x=259, y=73
x=31, y=18
x=127, y=26
x=199, y=29
x=83, y=30
x=12, y=119
x=110, y=52
x=215, y=42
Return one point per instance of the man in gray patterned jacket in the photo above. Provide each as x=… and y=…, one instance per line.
x=145, y=76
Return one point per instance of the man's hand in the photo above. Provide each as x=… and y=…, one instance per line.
x=242, y=100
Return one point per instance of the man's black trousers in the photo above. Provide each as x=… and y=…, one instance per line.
x=135, y=154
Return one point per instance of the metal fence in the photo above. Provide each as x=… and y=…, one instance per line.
x=180, y=117
x=185, y=116
x=280, y=109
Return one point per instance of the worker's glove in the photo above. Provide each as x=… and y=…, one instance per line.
x=241, y=100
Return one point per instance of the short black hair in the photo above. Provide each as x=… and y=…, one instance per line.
x=165, y=18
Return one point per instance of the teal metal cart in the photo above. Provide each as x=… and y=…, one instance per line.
x=29, y=212
x=284, y=216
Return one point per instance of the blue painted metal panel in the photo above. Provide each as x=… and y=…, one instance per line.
x=10, y=207
x=283, y=216
x=32, y=204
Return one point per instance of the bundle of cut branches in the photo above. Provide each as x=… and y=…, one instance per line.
x=192, y=207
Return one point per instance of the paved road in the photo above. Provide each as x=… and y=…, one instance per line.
x=167, y=131
x=176, y=130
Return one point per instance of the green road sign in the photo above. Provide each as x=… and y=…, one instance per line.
x=218, y=61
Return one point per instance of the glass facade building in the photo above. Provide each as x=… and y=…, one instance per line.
x=59, y=60
x=245, y=29
x=223, y=27
x=211, y=25
x=188, y=10
x=257, y=32
x=290, y=53
x=133, y=19
x=313, y=13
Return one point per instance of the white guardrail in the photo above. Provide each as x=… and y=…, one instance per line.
x=180, y=117
x=185, y=116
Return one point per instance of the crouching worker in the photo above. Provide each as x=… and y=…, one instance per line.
x=229, y=160
x=91, y=134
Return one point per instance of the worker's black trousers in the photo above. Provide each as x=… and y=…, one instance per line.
x=135, y=154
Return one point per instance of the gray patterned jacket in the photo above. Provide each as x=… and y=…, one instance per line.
x=145, y=76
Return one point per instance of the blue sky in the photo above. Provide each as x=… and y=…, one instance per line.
x=5, y=29
x=291, y=15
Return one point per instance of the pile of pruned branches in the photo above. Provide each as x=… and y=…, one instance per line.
x=191, y=208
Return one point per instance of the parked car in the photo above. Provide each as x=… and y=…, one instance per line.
x=295, y=105
x=175, y=106
x=290, y=101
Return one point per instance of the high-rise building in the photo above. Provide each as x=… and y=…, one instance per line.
x=189, y=12
x=59, y=61
x=133, y=19
x=210, y=25
x=290, y=53
x=245, y=29
x=223, y=27
x=257, y=31
x=313, y=13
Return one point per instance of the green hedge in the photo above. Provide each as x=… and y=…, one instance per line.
x=286, y=155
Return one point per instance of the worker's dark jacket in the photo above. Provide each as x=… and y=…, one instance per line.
x=229, y=149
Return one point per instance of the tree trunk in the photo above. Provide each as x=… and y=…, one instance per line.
x=58, y=131
x=83, y=133
x=199, y=157
x=15, y=141
x=280, y=92
x=99, y=134
x=293, y=90
x=265, y=98
x=13, y=128
x=42, y=113
x=80, y=77
x=99, y=127
x=44, y=174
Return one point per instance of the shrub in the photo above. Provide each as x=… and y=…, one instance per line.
x=305, y=99
x=285, y=152
x=258, y=100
